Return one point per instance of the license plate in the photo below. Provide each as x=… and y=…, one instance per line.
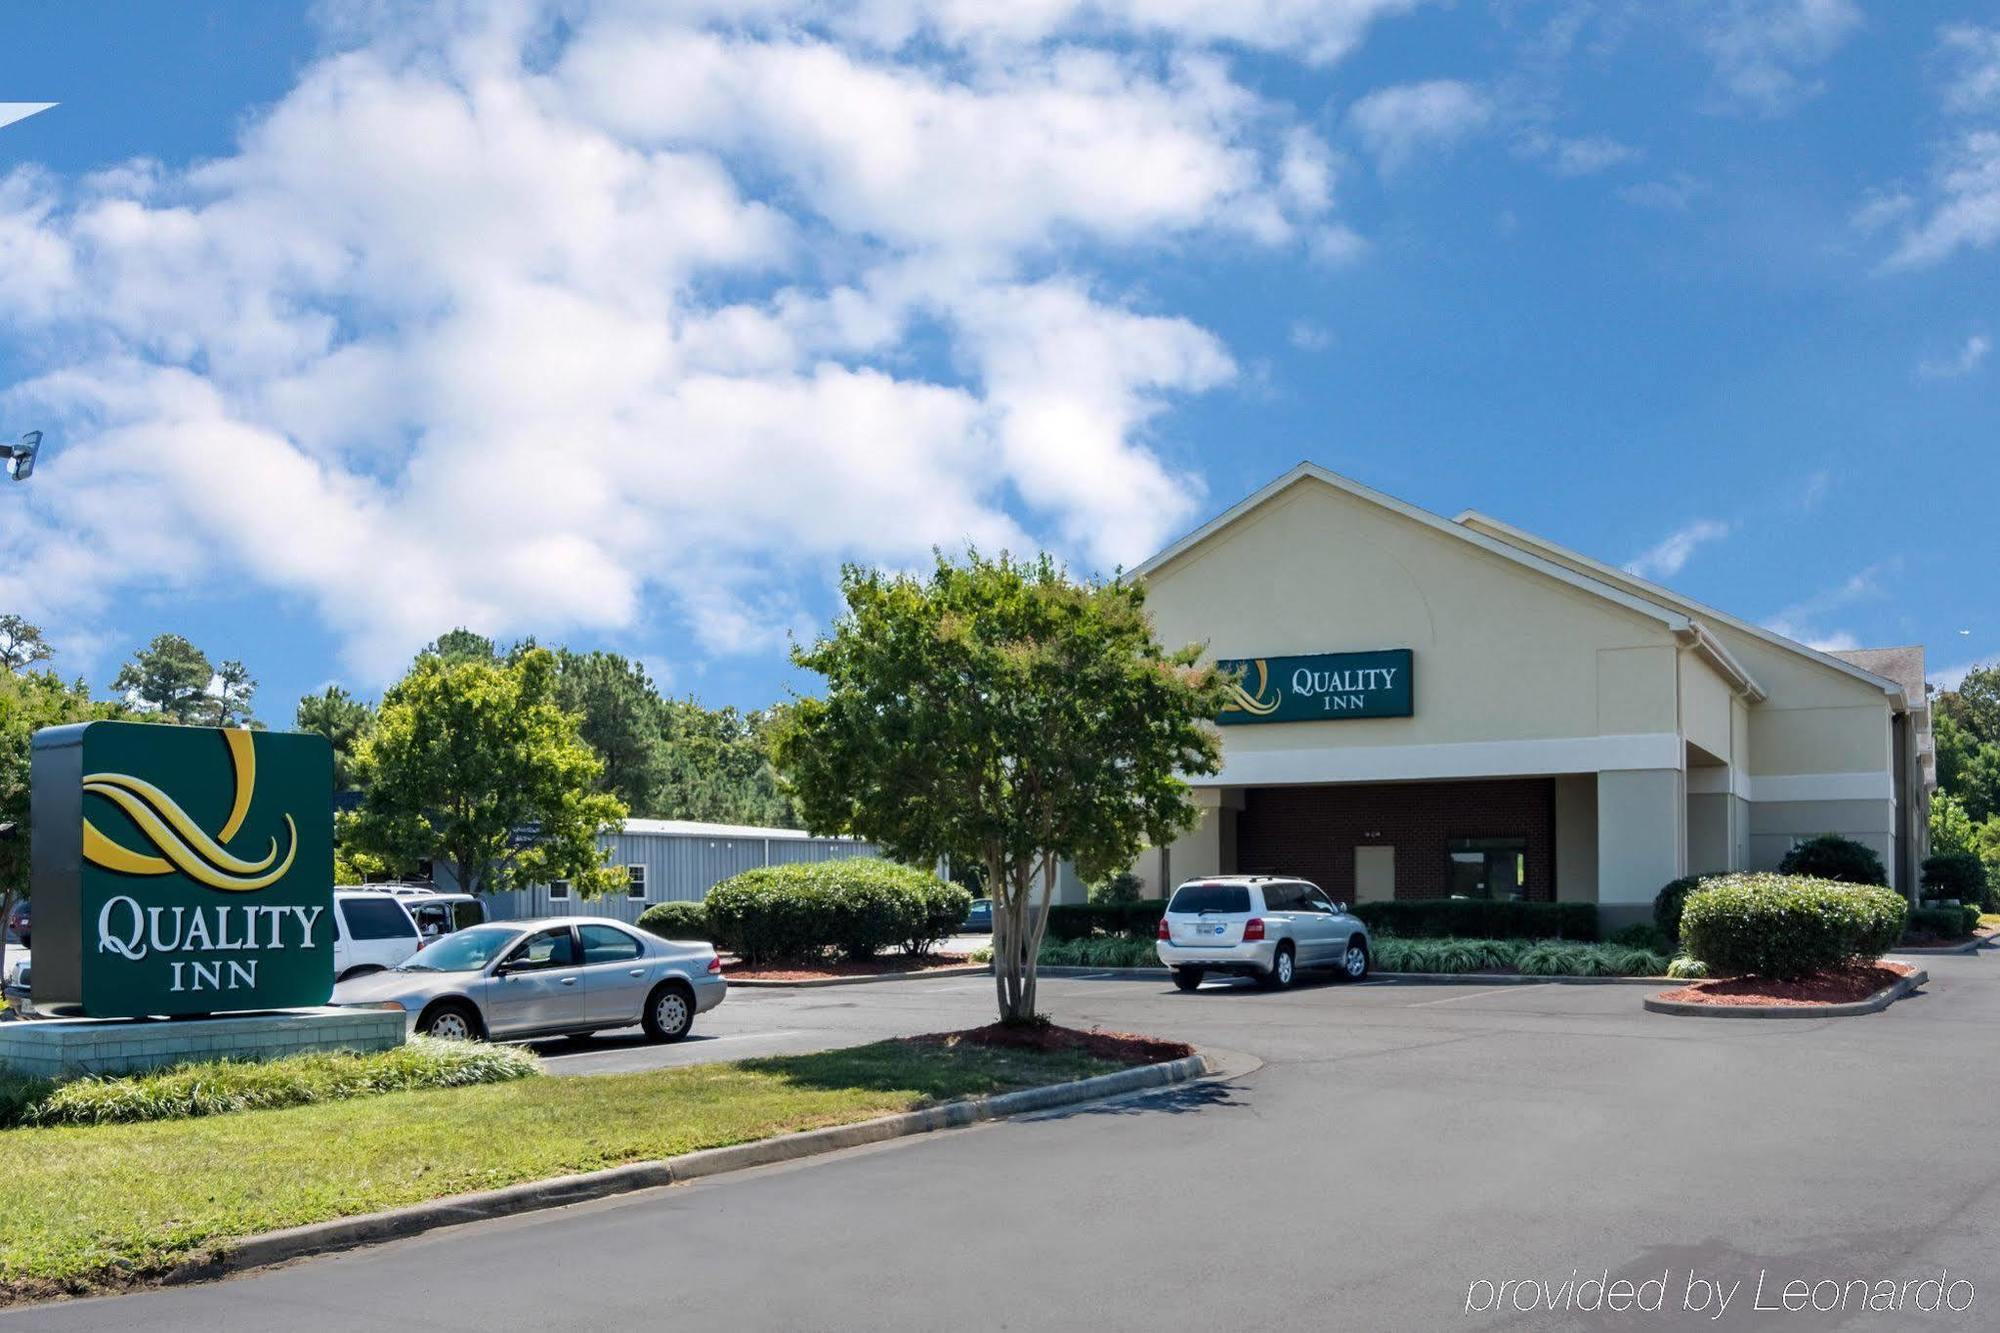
x=1204, y=931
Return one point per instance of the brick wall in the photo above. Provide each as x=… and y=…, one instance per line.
x=1313, y=831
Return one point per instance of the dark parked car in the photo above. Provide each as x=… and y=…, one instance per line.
x=17, y=921
x=979, y=918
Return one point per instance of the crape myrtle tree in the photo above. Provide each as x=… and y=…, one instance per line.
x=999, y=713
x=465, y=753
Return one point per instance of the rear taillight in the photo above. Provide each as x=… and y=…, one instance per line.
x=1163, y=933
x=1253, y=929
x=715, y=965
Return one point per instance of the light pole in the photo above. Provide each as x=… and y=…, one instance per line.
x=21, y=457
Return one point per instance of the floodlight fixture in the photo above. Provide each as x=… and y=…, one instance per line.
x=21, y=457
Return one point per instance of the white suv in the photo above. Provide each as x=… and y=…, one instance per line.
x=1261, y=926
x=371, y=932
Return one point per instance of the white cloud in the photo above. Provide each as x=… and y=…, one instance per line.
x=1765, y=52
x=1397, y=123
x=1672, y=195
x=522, y=325
x=1813, y=491
x=1308, y=336
x=1881, y=209
x=1970, y=356
x=1965, y=208
x=1571, y=157
x=1803, y=621
x=1973, y=53
x=1667, y=557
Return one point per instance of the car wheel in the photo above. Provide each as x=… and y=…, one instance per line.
x=1283, y=968
x=669, y=1013
x=1187, y=978
x=450, y=1021
x=1354, y=963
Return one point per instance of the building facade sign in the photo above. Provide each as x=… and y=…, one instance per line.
x=1320, y=687
x=181, y=870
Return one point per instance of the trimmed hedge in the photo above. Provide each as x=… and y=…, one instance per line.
x=1083, y=921
x=1949, y=923
x=1670, y=902
x=1830, y=856
x=1788, y=926
x=1480, y=918
x=858, y=907
x=1959, y=875
x=677, y=921
x=1535, y=958
x=1639, y=935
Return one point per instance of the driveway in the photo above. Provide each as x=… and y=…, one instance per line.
x=1398, y=1146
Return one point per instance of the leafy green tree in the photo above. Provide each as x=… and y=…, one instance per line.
x=998, y=712
x=716, y=766
x=170, y=677
x=465, y=755
x=29, y=702
x=1952, y=829
x=1975, y=704
x=229, y=695
x=462, y=644
x=21, y=644
x=1967, y=767
x=344, y=720
x=622, y=718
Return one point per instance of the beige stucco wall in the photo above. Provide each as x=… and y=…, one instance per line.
x=1576, y=838
x=1502, y=653
x=1641, y=840
x=1706, y=706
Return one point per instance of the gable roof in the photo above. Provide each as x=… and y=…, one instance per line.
x=1484, y=523
x=1690, y=631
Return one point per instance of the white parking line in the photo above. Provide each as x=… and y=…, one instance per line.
x=1473, y=995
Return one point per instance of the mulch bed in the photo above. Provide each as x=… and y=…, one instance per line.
x=1844, y=986
x=734, y=970
x=1127, y=1047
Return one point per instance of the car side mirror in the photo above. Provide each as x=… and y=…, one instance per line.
x=1340, y=908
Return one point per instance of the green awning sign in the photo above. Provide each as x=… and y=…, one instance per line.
x=181, y=870
x=1319, y=687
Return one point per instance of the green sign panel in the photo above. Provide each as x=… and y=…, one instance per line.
x=181, y=870
x=1320, y=687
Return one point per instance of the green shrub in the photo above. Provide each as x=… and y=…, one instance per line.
x=1641, y=935
x=1670, y=901
x=1555, y=958
x=858, y=907
x=1082, y=921
x=1395, y=954
x=677, y=921
x=217, y=1087
x=1960, y=875
x=1119, y=890
x=1950, y=923
x=1685, y=968
x=1830, y=856
x=1110, y=951
x=1537, y=958
x=1480, y=918
x=1788, y=926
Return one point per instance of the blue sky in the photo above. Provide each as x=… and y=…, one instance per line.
x=623, y=324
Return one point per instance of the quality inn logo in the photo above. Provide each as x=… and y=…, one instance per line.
x=183, y=845
x=1245, y=700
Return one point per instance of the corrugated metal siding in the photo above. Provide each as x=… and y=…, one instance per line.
x=679, y=868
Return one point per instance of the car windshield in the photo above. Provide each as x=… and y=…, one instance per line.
x=1210, y=898
x=467, y=951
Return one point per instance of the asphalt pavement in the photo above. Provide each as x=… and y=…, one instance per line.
x=1400, y=1153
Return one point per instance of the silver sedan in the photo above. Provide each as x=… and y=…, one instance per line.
x=564, y=976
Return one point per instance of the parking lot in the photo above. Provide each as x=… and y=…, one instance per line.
x=1386, y=1147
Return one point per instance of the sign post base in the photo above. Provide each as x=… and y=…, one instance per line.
x=64, y=1048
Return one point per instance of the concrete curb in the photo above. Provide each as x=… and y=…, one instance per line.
x=1403, y=978
x=348, y=1233
x=1973, y=945
x=752, y=983
x=1874, y=1004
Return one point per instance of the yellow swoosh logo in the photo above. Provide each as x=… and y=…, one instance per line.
x=1245, y=701
x=184, y=845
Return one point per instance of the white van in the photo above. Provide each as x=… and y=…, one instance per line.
x=371, y=932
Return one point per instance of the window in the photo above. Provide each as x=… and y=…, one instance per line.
x=1495, y=868
x=635, y=881
x=551, y=948
x=467, y=915
x=1317, y=901
x=607, y=944
x=558, y=889
x=433, y=919
x=1210, y=898
x=376, y=919
x=1284, y=898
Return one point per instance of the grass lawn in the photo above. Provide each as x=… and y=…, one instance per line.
x=95, y=1206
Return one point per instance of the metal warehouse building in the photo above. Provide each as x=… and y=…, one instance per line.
x=675, y=860
x=1439, y=707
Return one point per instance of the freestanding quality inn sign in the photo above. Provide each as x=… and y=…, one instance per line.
x=1320, y=687
x=181, y=870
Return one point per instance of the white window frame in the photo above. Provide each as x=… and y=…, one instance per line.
x=558, y=890
x=635, y=882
